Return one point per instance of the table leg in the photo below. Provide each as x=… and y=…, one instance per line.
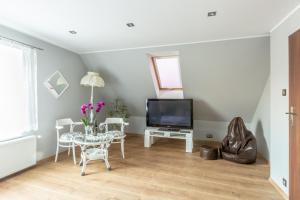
x=83, y=158
x=106, y=161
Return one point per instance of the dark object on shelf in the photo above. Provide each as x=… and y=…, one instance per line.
x=169, y=129
x=239, y=145
x=209, y=152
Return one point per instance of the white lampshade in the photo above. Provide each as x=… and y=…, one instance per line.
x=92, y=79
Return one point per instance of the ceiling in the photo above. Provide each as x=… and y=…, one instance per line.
x=101, y=24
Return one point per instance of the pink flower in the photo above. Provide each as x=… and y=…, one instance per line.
x=101, y=103
x=83, y=109
x=88, y=106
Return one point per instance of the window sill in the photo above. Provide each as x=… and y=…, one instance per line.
x=17, y=136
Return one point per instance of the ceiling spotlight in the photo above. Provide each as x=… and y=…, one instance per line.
x=212, y=14
x=73, y=32
x=130, y=25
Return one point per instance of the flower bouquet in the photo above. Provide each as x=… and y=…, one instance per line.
x=88, y=110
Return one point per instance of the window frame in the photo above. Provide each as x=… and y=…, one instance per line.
x=157, y=76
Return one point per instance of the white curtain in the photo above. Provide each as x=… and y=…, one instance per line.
x=30, y=73
x=18, y=89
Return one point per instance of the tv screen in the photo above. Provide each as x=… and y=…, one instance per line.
x=177, y=113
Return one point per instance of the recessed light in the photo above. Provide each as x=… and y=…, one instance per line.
x=212, y=14
x=73, y=32
x=130, y=25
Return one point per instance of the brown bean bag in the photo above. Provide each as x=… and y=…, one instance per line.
x=239, y=145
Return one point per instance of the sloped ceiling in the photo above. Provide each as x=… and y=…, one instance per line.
x=101, y=24
x=225, y=79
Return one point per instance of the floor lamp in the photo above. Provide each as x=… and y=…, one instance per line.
x=92, y=79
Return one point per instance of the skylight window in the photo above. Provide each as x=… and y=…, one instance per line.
x=167, y=72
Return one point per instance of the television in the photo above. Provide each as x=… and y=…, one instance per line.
x=170, y=113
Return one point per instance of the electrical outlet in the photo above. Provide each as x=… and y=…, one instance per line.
x=284, y=182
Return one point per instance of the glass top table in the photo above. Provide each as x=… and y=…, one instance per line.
x=91, y=140
x=93, y=147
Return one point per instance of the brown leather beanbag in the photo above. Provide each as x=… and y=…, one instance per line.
x=239, y=145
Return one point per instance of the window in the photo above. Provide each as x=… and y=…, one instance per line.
x=18, y=90
x=167, y=72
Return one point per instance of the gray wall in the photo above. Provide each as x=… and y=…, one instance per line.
x=225, y=79
x=260, y=125
x=280, y=104
x=49, y=109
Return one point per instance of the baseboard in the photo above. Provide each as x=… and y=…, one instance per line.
x=281, y=192
x=260, y=155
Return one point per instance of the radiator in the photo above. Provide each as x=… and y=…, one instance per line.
x=17, y=154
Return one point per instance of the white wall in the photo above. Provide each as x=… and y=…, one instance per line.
x=279, y=157
x=53, y=58
x=260, y=124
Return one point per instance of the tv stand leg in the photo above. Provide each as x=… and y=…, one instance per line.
x=189, y=143
x=152, y=140
x=147, y=139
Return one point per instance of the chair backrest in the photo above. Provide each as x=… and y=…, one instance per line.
x=60, y=123
x=64, y=122
x=114, y=121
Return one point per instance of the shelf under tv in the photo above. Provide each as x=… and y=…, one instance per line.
x=151, y=133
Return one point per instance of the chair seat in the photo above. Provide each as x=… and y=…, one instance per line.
x=117, y=134
x=68, y=137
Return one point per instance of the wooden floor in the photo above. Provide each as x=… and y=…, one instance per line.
x=164, y=171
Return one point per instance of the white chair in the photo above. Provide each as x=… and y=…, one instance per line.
x=119, y=135
x=66, y=139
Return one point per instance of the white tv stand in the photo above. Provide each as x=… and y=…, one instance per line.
x=184, y=134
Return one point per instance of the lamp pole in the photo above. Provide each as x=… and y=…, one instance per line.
x=92, y=95
x=92, y=102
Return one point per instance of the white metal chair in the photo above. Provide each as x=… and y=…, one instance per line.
x=66, y=139
x=119, y=134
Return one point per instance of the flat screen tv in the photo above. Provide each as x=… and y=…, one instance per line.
x=173, y=113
